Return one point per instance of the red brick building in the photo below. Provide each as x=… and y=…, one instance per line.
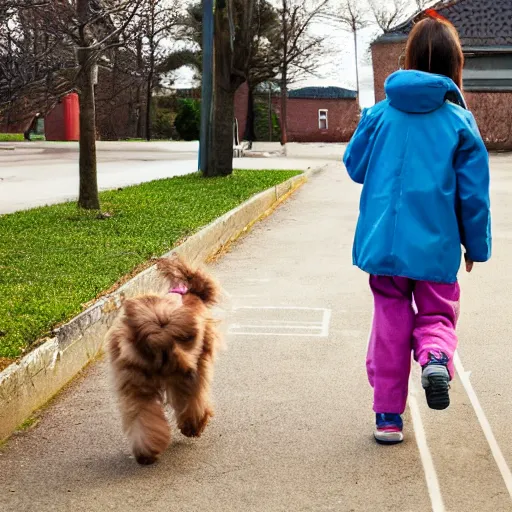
x=485, y=28
x=315, y=114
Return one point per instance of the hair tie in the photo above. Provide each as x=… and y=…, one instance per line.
x=432, y=13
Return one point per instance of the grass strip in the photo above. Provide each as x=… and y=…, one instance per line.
x=56, y=259
x=11, y=137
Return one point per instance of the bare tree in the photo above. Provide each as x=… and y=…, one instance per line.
x=298, y=48
x=34, y=69
x=423, y=4
x=159, y=19
x=95, y=27
x=72, y=39
x=389, y=13
x=265, y=60
x=352, y=16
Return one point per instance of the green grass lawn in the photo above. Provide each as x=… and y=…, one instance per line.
x=11, y=137
x=55, y=259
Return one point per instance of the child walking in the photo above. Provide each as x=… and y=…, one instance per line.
x=425, y=175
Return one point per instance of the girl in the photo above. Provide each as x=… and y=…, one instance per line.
x=425, y=175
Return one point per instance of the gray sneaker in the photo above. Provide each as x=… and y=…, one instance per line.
x=435, y=380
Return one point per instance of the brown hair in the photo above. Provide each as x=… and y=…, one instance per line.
x=434, y=46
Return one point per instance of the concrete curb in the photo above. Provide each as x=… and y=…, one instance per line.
x=28, y=384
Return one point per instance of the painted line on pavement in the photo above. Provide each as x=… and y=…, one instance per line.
x=269, y=327
x=429, y=470
x=484, y=423
x=434, y=490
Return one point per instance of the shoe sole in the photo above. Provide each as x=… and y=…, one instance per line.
x=436, y=382
x=388, y=437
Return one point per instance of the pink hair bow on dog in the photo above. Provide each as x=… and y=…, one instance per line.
x=181, y=289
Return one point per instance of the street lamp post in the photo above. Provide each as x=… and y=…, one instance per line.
x=207, y=87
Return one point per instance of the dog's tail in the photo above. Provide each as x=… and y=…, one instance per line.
x=197, y=281
x=160, y=326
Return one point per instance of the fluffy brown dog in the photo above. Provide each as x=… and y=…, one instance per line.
x=162, y=349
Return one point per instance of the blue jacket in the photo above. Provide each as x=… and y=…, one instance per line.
x=425, y=175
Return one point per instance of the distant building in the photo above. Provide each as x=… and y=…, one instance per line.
x=314, y=114
x=485, y=28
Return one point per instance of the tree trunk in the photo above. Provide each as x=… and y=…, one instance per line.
x=221, y=155
x=270, y=123
x=284, y=114
x=88, y=197
x=149, y=91
x=357, y=62
x=250, y=133
x=284, y=75
x=140, y=65
x=139, y=129
x=149, y=98
x=222, y=133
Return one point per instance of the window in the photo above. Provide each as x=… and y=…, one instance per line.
x=488, y=72
x=323, y=123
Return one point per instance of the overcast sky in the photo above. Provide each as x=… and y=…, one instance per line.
x=337, y=69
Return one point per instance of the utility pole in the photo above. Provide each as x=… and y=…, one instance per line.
x=207, y=88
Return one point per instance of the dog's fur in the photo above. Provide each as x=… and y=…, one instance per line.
x=162, y=349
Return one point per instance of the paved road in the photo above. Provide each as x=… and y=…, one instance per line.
x=293, y=430
x=35, y=174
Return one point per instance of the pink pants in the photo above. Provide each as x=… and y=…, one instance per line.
x=397, y=330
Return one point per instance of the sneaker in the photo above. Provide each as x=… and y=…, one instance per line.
x=435, y=380
x=388, y=428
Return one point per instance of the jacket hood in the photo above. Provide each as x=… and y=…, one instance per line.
x=419, y=92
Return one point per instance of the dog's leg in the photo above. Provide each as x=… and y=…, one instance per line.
x=146, y=427
x=190, y=398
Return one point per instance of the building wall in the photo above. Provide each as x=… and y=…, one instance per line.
x=385, y=57
x=493, y=113
x=492, y=110
x=241, y=99
x=343, y=116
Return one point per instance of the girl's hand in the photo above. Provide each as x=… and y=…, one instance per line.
x=469, y=264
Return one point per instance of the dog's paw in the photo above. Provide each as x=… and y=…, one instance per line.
x=146, y=460
x=191, y=428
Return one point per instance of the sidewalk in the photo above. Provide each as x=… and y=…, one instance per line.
x=293, y=429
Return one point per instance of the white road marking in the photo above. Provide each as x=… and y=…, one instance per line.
x=484, y=423
x=433, y=487
x=295, y=334
x=434, y=490
x=300, y=327
x=298, y=308
x=277, y=326
x=326, y=323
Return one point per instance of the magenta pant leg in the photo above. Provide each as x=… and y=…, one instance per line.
x=389, y=352
x=438, y=308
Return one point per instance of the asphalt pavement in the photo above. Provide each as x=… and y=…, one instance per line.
x=293, y=425
x=41, y=173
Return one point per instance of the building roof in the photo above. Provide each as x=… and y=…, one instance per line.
x=485, y=24
x=323, y=93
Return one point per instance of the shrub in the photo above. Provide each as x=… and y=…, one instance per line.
x=162, y=125
x=188, y=120
x=261, y=127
